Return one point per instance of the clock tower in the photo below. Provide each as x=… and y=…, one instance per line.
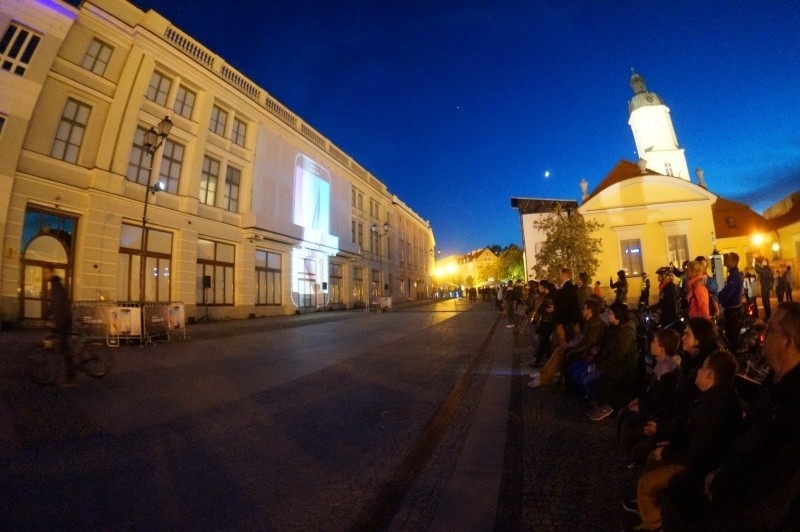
x=653, y=133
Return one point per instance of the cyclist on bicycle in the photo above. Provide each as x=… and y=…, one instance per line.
x=59, y=312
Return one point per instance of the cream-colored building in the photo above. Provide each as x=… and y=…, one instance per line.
x=457, y=269
x=653, y=213
x=250, y=211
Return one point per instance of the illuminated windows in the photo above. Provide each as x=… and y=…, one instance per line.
x=219, y=119
x=140, y=160
x=361, y=235
x=208, y=180
x=171, y=161
x=184, y=102
x=335, y=286
x=631, y=253
x=239, y=132
x=268, y=278
x=357, y=292
x=69, y=135
x=97, y=57
x=215, y=265
x=16, y=48
x=158, y=90
x=158, y=262
x=678, y=248
x=230, y=199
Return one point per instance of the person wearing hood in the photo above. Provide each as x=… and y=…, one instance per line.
x=614, y=370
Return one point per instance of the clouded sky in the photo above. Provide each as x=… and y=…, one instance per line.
x=459, y=106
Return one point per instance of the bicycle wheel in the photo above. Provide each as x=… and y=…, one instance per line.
x=43, y=366
x=95, y=359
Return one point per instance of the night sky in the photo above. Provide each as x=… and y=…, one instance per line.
x=459, y=106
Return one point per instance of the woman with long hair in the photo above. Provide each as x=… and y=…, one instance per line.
x=697, y=298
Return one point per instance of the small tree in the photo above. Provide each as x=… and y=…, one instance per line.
x=510, y=264
x=569, y=244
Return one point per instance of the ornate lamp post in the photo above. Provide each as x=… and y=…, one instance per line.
x=153, y=139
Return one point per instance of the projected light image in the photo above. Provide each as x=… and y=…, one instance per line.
x=312, y=205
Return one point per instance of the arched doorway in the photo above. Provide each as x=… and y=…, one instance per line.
x=42, y=251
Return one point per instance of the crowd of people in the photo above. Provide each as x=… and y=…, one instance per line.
x=705, y=459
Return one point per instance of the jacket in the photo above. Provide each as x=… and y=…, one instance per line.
x=765, y=278
x=697, y=298
x=731, y=294
x=619, y=356
x=566, y=303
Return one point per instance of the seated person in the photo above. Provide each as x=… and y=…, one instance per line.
x=712, y=425
x=614, y=370
x=586, y=342
x=658, y=399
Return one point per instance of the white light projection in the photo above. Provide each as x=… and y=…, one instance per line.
x=312, y=208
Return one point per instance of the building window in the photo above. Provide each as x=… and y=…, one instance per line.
x=668, y=168
x=158, y=90
x=208, y=180
x=158, y=262
x=16, y=49
x=230, y=200
x=215, y=265
x=678, y=249
x=218, y=120
x=360, y=202
x=171, y=161
x=358, y=284
x=268, y=278
x=184, y=102
x=631, y=252
x=140, y=161
x=239, y=132
x=353, y=231
x=70, y=131
x=97, y=57
x=353, y=197
x=376, y=283
x=361, y=235
x=2, y=123
x=335, y=285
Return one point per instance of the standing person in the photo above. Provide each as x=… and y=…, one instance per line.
x=757, y=486
x=730, y=298
x=59, y=312
x=644, y=296
x=749, y=288
x=568, y=313
x=598, y=291
x=708, y=280
x=620, y=288
x=780, y=285
x=584, y=290
x=669, y=298
x=765, y=280
x=697, y=297
x=787, y=283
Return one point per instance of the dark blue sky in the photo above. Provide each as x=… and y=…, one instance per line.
x=459, y=106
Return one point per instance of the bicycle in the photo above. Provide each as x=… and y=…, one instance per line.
x=90, y=355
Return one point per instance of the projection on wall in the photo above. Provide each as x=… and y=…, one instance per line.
x=312, y=212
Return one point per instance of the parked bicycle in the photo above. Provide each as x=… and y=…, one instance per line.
x=46, y=363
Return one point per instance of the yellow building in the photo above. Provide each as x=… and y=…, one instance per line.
x=249, y=210
x=456, y=270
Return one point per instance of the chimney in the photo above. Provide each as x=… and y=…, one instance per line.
x=642, y=166
x=700, y=181
x=584, y=189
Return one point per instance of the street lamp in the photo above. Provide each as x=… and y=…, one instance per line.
x=380, y=233
x=153, y=139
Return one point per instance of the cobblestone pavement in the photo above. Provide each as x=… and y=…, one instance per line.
x=303, y=423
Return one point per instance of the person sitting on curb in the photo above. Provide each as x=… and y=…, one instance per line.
x=658, y=399
x=614, y=370
x=587, y=342
x=757, y=486
x=712, y=425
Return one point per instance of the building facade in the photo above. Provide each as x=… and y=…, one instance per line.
x=249, y=210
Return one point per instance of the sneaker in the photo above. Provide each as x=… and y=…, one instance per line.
x=630, y=505
x=599, y=413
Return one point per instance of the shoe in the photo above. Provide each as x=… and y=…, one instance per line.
x=599, y=413
x=630, y=505
x=509, y=326
x=535, y=383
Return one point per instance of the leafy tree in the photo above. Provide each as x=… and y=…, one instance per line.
x=469, y=282
x=510, y=264
x=569, y=244
x=495, y=249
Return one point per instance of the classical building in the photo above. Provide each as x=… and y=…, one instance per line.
x=238, y=208
x=652, y=212
x=532, y=210
x=457, y=269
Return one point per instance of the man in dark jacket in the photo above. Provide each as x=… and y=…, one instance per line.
x=712, y=425
x=669, y=298
x=59, y=312
x=765, y=280
x=568, y=313
x=730, y=299
x=757, y=486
